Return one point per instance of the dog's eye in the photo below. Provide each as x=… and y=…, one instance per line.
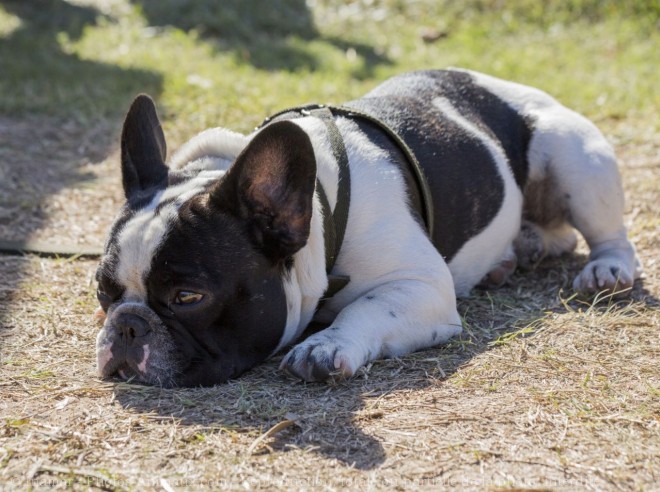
x=104, y=299
x=107, y=291
x=187, y=297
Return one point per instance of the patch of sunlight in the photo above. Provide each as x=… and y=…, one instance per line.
x=113, y=8
x=8, y=23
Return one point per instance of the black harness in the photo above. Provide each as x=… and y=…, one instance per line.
x=334, y=222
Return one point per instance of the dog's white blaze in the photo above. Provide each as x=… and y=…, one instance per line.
x=142, y=366
x=138, y=242
x=482, y=252
x=143, y=235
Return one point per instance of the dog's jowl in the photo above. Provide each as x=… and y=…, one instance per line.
x=371, y=217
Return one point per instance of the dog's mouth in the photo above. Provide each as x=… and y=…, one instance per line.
x=128, y=374
x=111, y=365
x=128, y=370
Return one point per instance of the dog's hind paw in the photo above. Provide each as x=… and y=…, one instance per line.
x=604, y=275
x=498, y=276
x=318, y=358
x=528, y=246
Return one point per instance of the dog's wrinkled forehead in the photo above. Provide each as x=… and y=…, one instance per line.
x=138, y=240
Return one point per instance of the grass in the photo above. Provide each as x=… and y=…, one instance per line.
x=206, y=68
x=544, y=390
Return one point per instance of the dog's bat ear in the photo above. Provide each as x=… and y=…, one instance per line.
x=271, y=186
x=143, y=148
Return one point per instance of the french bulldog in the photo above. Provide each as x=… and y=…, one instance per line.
x=219, y=259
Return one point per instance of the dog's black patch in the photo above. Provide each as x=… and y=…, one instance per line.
x=459, y=168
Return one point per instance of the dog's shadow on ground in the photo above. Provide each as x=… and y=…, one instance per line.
x=328, y=416
x=274, y=35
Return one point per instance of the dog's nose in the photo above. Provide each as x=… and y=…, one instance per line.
x=132, y=326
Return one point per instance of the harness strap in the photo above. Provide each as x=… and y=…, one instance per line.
x=335, y=282
x=354, y=113
x=334, y=223
x=417, y=171
x=340, y=215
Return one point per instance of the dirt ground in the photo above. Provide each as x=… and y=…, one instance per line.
x=543, y=391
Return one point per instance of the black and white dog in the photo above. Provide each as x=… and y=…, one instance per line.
x=218, y=260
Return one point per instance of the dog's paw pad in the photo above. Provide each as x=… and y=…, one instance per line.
x=317, y=359
x=604, y=275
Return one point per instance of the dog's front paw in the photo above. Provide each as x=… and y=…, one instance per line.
x=319, y=358
x=605, y=274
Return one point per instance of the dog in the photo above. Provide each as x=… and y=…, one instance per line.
x=371, y=218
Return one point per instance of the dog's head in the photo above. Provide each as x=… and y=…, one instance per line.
x=191, y=281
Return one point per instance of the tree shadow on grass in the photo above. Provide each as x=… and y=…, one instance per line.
x=39, y=76
x=58, y=113
x=330, y=418
x=273, y=35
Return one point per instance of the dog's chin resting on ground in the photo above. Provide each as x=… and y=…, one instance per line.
x=432, y=183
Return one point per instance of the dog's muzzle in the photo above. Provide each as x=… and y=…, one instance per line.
x=135, y=344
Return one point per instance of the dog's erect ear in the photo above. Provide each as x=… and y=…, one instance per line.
x=143, y=148
x=271, y=185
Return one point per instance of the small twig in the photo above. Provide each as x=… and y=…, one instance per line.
x=166, y=485
x=270, y=432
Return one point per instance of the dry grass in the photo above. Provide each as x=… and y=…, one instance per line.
x=543, y=391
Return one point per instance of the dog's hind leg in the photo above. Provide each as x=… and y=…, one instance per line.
x=574, y=177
